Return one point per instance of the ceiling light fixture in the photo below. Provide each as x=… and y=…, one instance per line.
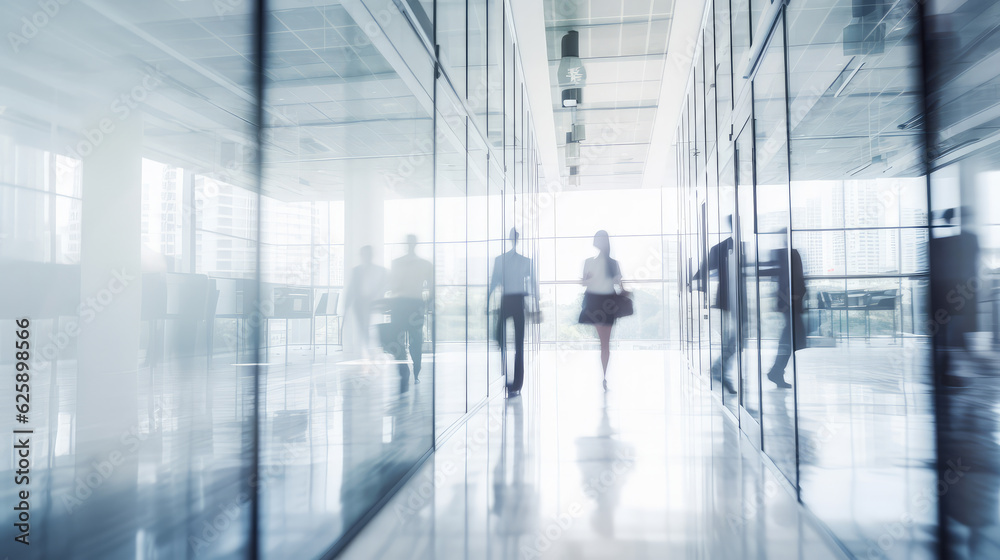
x=572, y=75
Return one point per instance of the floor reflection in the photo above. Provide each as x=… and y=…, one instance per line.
x=335, y=436
x=650, y=469
x=866, y=453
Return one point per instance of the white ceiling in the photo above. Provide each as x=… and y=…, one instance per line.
x=338, y=112
x=623, y=47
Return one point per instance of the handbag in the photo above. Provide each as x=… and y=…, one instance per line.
x=623, y=303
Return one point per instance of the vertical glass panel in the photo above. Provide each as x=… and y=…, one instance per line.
x=347, y=325
x=478, y=269
x=497, y=245
x=964, y=313
x=757, y=8
x=509, y=60
x=106, y=134
x=450, y=247
x=478, y=62
x=862, y=381
x=450, y=36
x=711, y=91
x=723, y=66
x=699, y=147
x=747, y=265
x=725, y=370
x=740, y=17
x=494, y=73
x=780, y=270
x=700, y=158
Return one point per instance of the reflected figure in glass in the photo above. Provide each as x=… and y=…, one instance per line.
x=719, y=263
x=965, y=360
x=366, y=285
x=410, y=276
x=955, y=254
x=791, y=289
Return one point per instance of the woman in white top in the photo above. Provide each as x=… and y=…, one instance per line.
x=600, y=301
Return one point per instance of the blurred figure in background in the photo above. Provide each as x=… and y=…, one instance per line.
x=366, y=285
x=601, y=303
x=515, y=275
x=966, y=365
x=409, y=277
x=956, y=260
x=720, y=260
x=789, y=303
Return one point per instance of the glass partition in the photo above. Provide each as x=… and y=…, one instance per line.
x=824, y=181
x=450, y=294
x=290, y=258
x=348, y=334
x=857, y=192
x=128, y=239
x=780, y=289
x=964, y=313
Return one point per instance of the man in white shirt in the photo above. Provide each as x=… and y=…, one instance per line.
x=515, y=274
x=409, y=277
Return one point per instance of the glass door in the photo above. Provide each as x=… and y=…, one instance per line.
x=746, y=253
x=726, y=369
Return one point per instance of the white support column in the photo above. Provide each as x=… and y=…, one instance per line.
x=364, y=224
x=108, y=430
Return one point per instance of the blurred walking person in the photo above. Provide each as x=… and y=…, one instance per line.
x=366, y=285
x=409, y=277
x=515, y=275
x=722, y=261
x=602, y=304
x=790, y=294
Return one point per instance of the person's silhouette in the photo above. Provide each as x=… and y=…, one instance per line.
x=720, y=260
x=409, y=277
x=367, y=284
x=600, y=300
x=956, y=258
x=515, y=275
x=790, y=294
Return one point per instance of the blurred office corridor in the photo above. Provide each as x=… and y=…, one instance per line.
x=314, y=279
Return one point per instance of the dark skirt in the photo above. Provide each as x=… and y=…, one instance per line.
x=599, y=309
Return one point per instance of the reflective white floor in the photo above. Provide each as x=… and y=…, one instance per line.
x=650, y=469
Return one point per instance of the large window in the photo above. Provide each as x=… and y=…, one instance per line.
x=632, y=218
x=278, y=296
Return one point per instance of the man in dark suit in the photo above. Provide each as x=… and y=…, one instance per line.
x=721, y=259
x=409, y=278
x=790, y=293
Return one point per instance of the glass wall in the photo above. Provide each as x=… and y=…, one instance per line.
x=812, y=265
x=964, y=317
x=245, y=301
